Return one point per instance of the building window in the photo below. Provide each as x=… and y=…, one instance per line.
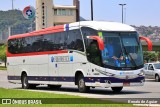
x=70, y=12
x=58, y=12
x=55, y=12
x=63, y=12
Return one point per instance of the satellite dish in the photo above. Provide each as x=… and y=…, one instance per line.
x=29, y=12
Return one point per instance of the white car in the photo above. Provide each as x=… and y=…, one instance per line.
x=152, y=71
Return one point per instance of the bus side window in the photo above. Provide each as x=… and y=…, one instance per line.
x=63, y=41
x=29, y=42
x=74, y=40
x=49, y=42
x=22, y=45
x=93, y=53
x=12, y=46
x=71, y=40
x=37, y=44
x=88, y=32
x=57, y=40
x=79, y=42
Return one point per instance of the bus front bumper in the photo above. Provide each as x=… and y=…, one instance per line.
x=114, y=81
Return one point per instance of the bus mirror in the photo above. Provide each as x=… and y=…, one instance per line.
x=99, y=40
x=149, y=42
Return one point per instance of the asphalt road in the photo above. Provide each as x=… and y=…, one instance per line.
x=151, y=89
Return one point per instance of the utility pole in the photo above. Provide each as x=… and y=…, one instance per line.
x=92, y=10
x=122, y=10
x=9, y=31
x=12, y=4
x=125, y=12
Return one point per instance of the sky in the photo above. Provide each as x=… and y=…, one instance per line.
x=136, y=12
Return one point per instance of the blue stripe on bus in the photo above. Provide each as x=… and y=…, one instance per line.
x=46, y=78
x=112, y=79
x=72, y=79
x=67, y=27
x=14, y=77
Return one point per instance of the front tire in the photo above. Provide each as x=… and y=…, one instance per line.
x=157, y=79
x=81, y=85
x=117, y=89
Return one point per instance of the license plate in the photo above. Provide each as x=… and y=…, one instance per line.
x=126, y=84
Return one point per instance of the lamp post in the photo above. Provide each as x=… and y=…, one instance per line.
x=125, y=12
x=122, y=10
x=12, y=4
x=92, y=10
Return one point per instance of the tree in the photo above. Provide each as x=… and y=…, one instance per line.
x=150, y=56
x=3, y=54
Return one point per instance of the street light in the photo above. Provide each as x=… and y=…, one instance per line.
x=12, y=4
x=125, y=12
x=122, y=10
x=92, y=10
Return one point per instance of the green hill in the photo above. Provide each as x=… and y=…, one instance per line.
x=15, y=20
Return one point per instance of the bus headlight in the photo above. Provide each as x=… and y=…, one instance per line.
x=109, y=74
x=141, y=73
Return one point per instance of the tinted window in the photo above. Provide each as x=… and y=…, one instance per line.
x=63, y=41
x=71, y=40
x=49, y=42
x=74, y=40
x=38, y=44
x=12, y=46
x=93, y=52
x=88, y=32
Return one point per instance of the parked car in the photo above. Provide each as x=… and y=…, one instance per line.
x=152, y=71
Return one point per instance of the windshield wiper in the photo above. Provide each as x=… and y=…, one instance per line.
x=126, y=52
x=132, y=60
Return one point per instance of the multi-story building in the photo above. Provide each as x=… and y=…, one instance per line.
x=48, y=14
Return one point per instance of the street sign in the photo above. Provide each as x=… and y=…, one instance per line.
x=29, y=12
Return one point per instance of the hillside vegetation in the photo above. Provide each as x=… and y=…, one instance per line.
x=15, y=20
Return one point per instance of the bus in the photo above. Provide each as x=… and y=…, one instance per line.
x=88, y=54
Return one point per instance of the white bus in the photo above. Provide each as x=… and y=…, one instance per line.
x=86, y=54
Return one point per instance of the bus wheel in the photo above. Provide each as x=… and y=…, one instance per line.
x=157, y=79
x=54, y=86
x=81, y=85
x=117, y=89
x=25, y=84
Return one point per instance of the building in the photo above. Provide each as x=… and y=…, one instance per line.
x=48, y=14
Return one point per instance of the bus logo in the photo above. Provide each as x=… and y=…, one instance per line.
x=52, y=59
x=62, y=59
x=121, y=73
x=71, y=58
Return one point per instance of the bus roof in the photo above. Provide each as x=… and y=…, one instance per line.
x=104, y=25
x=97, y=25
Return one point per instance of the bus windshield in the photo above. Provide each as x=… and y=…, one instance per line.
x=122, y=50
